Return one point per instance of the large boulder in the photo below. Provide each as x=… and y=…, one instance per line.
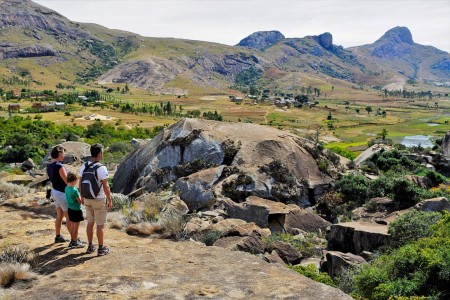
x=276, y=216
x=356, y=237
x=446, y=145
x=434, y=204
x=246, y=237
x=286, y=252
x=336, y=262
x=195, y=189
x=249, y=151
x=76, y=152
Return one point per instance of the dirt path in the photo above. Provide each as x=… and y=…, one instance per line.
x=144, y=267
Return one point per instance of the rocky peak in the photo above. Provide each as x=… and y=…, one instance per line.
x=325, y=40
x=27, y=14
x=261, y=39
x=398, y=35
x=395, y=43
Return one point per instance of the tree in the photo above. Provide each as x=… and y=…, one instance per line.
x=127, y=89
x=369, y=109
x=383, y=134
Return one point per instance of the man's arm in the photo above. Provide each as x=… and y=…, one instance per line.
x=107, y=193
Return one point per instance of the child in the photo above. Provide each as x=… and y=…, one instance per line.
x=74, y=202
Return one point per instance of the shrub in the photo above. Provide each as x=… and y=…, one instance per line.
x=436, y=178
x=418, y=268
x=407, y=194
x=12, y=272
x=353, y=188
x=15, y=265
x=412, y=226
x=210, y=237
x=312, y=272
x=10, y=190
x=120, y=202
x=121, y=147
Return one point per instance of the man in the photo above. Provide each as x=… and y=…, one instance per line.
x=96, y=206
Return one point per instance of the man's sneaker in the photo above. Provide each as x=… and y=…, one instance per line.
x=77, y=244
x=103, y=251
x=91, y=248
x=60, y=239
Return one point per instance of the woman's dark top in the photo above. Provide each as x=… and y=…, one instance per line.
x=53, y=173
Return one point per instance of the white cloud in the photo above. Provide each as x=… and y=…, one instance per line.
x=352, y=22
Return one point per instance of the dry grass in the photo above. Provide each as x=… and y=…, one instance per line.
x=12, y=272
x=15, y=265
x=116, y=220
x=144, y=229
x=10, y=190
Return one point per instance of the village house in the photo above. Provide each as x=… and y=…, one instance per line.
x=38, y=106
x=14, y=107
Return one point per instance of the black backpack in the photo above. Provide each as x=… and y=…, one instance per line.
x=90, y=185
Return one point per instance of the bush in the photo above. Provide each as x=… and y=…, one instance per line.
x=15, y=265
x=436, y=178
x=418, y=268
x=412, y=226
x=122, y=147
x=10, y=190
x=354, y=188
x=407, y=194
x=210, y=237
x=312, y=272
x=119, y=202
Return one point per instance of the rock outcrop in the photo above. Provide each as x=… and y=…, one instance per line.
x=276, y=216
x=261, y=39
x=439, y=204
x=246, y=152
x=76, y=152
x=446, y=145
x=355, y=237
x=37, y=50
x=325, y=40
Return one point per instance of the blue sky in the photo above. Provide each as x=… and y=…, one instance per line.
x=351, y=22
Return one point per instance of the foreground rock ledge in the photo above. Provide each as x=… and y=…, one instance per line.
x=145, y=268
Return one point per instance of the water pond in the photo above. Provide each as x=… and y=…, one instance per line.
x=415, y=140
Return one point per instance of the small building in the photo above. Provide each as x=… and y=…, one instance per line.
x=83, y=98
x=14, y=107
x=60, y=105
x=37, y=106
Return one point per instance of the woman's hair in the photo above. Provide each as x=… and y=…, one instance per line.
x=56, y=150
x=71, y=177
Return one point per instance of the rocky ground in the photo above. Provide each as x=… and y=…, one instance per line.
x=142, y=267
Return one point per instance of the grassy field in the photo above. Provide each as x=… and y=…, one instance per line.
x=350, y=124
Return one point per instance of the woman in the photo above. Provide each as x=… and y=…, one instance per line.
x=58, y=176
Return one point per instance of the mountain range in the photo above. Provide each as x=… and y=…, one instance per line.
x=43, y=47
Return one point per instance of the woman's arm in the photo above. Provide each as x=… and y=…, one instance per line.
x=63, y=174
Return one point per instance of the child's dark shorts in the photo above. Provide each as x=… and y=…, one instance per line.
x=75, y=215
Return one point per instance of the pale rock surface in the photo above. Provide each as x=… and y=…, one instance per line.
x=143, y=268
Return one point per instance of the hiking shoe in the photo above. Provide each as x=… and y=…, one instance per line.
x=60, y=239
x=103, y=251
x=77, y=244
x=91, y=248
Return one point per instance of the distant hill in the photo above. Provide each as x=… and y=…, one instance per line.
x=43, y=47
x=396, y=51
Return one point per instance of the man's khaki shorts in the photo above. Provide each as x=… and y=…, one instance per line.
x=96, y=211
